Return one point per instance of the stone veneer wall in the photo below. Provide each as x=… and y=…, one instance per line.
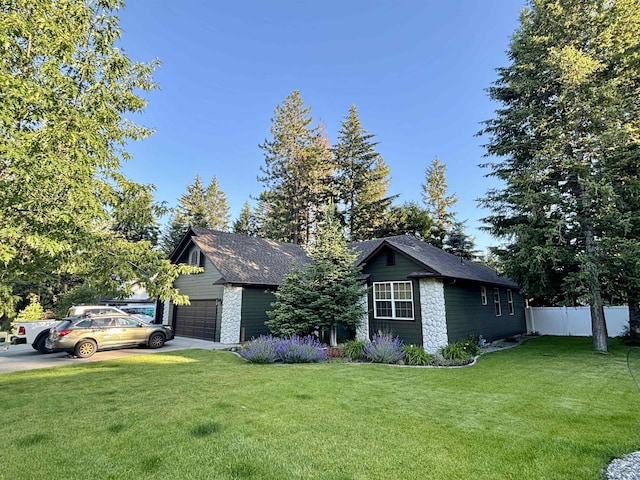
x=165, y=312
x=362, y=332
x=434, y=318
x=231, y=315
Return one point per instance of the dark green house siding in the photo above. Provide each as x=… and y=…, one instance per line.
x=199, y=286
x=410, y=331
x=256, y=301
x=466, y=316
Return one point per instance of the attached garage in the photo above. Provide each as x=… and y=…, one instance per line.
x=198, y=320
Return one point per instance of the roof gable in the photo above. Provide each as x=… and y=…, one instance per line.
x=245, y=260
x=241, y=259
x=435, y=261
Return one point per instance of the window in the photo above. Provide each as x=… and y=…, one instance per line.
x=483, y=295
x=194, y=259
x=393, y=300
x=127, y=322
x=510, y=301
x=496, y=302
x=391, y=257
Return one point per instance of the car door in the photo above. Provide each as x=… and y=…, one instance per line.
x=131, y=331
x=105, y=331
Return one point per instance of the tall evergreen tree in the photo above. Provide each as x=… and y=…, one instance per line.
x=327, y=293
x=174, y=231
x=296, y=173
x=217, y=207
x=362, y=179
x=406, y=219
x=193, y=206
x=245, y=223
x=460, y=244
x=569, y=112
x=438, y=203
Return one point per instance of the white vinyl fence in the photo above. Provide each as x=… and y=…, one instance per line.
x=574, y=321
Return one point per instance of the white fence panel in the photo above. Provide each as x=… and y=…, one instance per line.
x=574, y=321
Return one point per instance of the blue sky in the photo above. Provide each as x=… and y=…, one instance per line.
x=416, y=70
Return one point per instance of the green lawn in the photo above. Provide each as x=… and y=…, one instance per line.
x=549, y=409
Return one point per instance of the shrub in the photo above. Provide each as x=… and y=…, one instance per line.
x=383, y=348
x=353, y=349
x=459, y=352
x=297, y=349
x=415, y=355
x=260, y=350
x=472, y=347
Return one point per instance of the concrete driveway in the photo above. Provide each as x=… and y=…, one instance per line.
x=24, y=357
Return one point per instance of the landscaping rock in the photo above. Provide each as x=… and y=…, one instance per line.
x=626, y=468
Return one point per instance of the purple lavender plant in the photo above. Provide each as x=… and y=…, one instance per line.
x=260, y=350
x=297, y=349
x=383, y=348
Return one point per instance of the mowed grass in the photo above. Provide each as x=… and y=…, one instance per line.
x=549, y=409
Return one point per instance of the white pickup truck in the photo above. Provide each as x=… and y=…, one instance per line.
x=36, y=333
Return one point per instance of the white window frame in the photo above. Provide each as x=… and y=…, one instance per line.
x=496, y=302
x=393, y=300
x=510, y=302
x=483, y=295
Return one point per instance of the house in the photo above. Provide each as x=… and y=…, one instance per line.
x=430, y=297
x=424, y=295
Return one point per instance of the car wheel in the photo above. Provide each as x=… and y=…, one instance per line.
x=41, y=344
x=85, y=348
x=156, y=340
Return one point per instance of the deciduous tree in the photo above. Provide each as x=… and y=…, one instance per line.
x=67, y=94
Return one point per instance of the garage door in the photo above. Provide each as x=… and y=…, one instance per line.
x=197, y=320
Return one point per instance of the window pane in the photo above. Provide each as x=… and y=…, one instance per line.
x=402, y=291
x=404, y=309
x=383, y=309
x=382, y=291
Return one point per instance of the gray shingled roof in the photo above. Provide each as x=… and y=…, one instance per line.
x=249, y=260
x=437, y=262
x=241, y=259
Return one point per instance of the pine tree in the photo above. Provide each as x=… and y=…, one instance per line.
x=569, y=113
x=217, y=207
x=192, y=205
x=437, y=202
x=295, y=173
x=406, y=219
x=327, y=293
x=245, y=223
x=460, y=244
x=362, y=179
x=175, y=230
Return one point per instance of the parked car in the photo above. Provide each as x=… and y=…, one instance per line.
x=85, y=310
x=83, y=336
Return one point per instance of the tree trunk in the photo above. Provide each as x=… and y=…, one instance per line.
x=590, y=268
x=598, y=324
x=634, y=319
